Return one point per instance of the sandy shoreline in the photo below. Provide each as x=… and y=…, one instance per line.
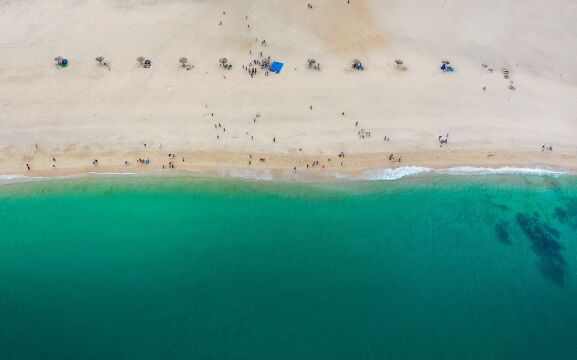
x=282, y=166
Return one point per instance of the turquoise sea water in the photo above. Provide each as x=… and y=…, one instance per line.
x=428, y=267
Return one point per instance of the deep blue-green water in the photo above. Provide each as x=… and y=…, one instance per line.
x=429, y=267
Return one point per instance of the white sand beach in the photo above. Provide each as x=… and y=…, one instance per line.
x=59, y=120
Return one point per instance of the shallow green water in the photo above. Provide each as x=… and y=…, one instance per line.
x=173, y=268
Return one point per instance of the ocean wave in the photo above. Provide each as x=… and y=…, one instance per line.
x=372, y=175
x=111, y=173
x=338, y=176
x=468, y=170
x=247, y=174
x=12, y=178
x=9, y=177
x=393, y=174
x=401, y=172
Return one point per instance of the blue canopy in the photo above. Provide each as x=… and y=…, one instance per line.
x=276, y=67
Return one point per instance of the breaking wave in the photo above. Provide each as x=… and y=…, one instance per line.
x=393, y=174
x=247, y=174
x=465, y=170
x=401, y=172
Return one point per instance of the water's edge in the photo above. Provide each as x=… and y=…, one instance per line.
x=382, y=174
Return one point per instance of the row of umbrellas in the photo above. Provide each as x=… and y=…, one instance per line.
x=223, y=61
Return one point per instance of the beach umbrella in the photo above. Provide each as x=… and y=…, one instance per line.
x=99, y=59
x=312, y=63
x=399, y=62
x=58, y=59
x=223, y=60
x=140, y=59
x=446, y=62
x=183, y=61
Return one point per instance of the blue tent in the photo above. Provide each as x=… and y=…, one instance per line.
x=276, y=67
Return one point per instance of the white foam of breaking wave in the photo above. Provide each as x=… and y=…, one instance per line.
x=467, y=170
x=338, y=175
x=393, y=174
x=247, y=174
x=9, y=177
x=111, y=173
x=13, y=178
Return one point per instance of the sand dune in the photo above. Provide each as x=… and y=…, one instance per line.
x=85, y=111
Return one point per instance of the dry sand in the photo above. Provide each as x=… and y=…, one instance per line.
x=87, y=112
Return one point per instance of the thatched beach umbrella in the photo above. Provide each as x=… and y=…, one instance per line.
x=140, y=59
x=399, y=62
x=183, y=61
x=223, y=61
x=357, y=64
x=58, y=59
x=99, y=59
x=446, y=62
x=312, y=62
